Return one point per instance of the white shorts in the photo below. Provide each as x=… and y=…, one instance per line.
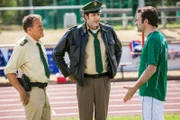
x=152, y=109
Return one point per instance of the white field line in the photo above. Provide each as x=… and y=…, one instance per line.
x=72, y=87
x=73, y=96
x=51, y=93
x=75, y=102
x=76, y=107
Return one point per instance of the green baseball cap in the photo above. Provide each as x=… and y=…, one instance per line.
x=92, y=7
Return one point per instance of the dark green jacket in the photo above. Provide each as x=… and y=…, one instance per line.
x=74, y=43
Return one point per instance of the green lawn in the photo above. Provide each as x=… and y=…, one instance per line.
x=167, y=117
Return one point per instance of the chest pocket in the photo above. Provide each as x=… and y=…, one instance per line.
x=74, y=46
x=34, y=53
x=73, y=49
x=74, y=52
x=111, y=44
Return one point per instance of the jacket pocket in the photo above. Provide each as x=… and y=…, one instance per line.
x=114, y=63
x=73, y=66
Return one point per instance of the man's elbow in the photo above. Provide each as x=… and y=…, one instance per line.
x=54, y=54
x=153, y=68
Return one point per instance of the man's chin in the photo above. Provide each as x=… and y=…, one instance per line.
x=139, y=30
x=96, y=25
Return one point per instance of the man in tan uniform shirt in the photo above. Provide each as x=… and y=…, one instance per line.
x=26, y=60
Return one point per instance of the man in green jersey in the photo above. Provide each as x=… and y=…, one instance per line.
x=152, y=76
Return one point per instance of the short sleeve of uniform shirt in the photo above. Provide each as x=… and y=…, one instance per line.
x=154, y=49
x=16, y=60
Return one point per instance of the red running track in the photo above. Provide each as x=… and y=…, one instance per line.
x=64, y=104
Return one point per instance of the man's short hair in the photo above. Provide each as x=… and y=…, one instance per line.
x=150, y=13
x=28, y=21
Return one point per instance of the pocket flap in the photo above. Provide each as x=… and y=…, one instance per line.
x=112, y=42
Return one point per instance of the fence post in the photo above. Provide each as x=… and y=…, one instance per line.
x=124, y=21
x=163, y=20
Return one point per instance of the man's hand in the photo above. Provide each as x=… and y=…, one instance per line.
x=24, y=96
x=72, y=78
x=14, y=81
x=150, y=70
x=131, y=91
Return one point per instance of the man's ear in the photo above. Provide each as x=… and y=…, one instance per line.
x=146, y=21
x=85, y=16
x=29, y=29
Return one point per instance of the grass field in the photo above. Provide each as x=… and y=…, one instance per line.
x=167, y=117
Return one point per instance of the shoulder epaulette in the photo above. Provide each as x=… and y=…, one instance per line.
x=23, y=42
x=73, y=27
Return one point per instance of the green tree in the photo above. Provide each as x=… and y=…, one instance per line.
x=15, y=16
x=171, y=2
x=7, y=17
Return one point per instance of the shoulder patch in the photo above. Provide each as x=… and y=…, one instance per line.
x=23, y=42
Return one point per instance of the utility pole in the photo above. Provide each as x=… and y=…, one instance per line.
x=30, y=5
x=163, y=20
x=141, y=3
x=55, y=14
x=111, y=3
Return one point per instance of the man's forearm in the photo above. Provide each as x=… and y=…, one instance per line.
x=150, y=70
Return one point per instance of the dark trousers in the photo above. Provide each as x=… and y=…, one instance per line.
x=94, y=96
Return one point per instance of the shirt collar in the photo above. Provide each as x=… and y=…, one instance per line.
x=32, y=39
x=94, y=31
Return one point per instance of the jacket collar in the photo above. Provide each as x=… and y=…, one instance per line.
x=102, y=26
x=84, y=28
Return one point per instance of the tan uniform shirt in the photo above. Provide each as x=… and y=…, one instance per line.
x=90, y=64
x=26, y=59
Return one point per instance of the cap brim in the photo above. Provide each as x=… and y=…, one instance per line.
x=92, y=11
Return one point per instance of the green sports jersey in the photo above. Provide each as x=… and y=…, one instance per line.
x=154, y=52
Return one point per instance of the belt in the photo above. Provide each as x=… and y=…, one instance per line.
x=39, y=84
x=96, y=75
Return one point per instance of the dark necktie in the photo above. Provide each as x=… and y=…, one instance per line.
x=47, y=72
x=97, y=51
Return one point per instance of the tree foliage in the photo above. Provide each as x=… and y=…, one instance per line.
x=15, y=16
